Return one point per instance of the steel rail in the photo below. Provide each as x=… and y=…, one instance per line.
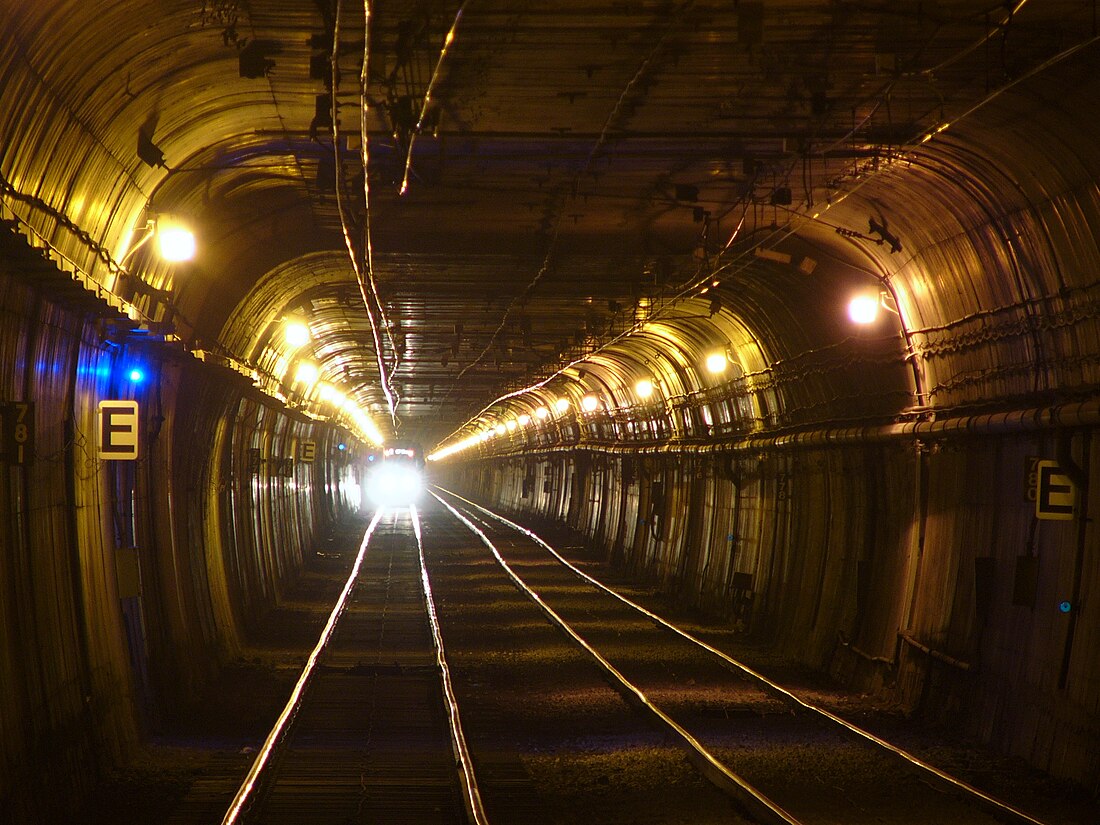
x=755, y=803
x=471, y=795
x=276, y=736
x=990, y=804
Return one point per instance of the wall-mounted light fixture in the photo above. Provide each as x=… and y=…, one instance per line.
x=863, y=308
x=307, y=373
x=175, y=242
x=717, y=363
x=589, y=403
x=644, y=388
x=296, y=334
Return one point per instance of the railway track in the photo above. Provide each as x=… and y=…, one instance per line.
x=722, y=711
x=371, y=731
x=538, y=657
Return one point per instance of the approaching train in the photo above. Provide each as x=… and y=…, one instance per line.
x=395, y=474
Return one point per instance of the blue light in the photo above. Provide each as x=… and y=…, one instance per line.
x=1065, y=606
x=136, y=376
x=341, y=446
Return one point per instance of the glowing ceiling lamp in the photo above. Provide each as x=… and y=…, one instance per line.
x=333, y=395
x=644, y=388
x=307, y=374
x=296, y=334
x=175, y=243
x=561, y=405
x=863, y=308
x=541, y=413
x=717, y=362
x=589, y=403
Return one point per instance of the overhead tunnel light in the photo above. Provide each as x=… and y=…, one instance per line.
x=644, y=388
x=175, y=243
x=561, y=405
x=307, y=373
x=863, y=309
x=717, y=362
x=589, y=403
x=296, y=334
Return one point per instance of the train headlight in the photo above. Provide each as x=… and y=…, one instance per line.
x=393, y=485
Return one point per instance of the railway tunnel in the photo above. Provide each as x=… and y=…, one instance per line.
x=786, y=309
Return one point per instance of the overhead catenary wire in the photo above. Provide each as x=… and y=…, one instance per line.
x=552, y=244
x=361, y=258
x=426, y=103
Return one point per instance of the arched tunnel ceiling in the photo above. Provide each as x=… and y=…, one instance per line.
x=576, y=166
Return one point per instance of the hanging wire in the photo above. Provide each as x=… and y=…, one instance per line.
x=361, y=259
x=428, y=96
x=552, y=246
x=996, y=27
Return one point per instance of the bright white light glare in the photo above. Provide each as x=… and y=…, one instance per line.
x=561, y=405
x=863, y=309
x=307, y=373
x=524, y=420
x=500, y=429
x=716, y=362
x=332, y=395
x=175, y=243
x=297, y=334
x=644, y=388
x=510, y=424
x=394, y=485
x=589, y=403
x=541, y=413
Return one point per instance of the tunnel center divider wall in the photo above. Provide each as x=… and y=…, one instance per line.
x=911, y=567
x=126, y=584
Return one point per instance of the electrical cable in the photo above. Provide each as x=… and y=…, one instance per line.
x=361, y=260
x=448, y=40
x=553, y=241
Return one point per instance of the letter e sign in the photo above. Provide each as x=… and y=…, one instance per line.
x=118, y=430
x=1055, y=493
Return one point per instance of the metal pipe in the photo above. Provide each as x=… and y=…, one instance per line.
x=1036, y=419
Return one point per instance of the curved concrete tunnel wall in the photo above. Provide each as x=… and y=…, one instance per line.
x=211, y=518
x=904, y=556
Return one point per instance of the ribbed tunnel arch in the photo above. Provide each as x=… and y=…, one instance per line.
x=598, y=199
